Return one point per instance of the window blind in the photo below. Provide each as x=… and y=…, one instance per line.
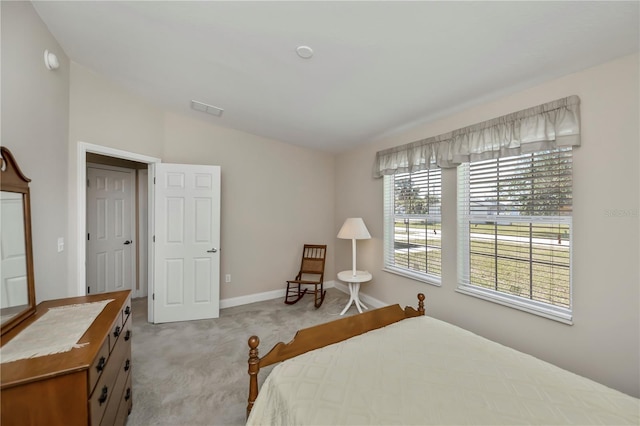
x=413, y=224
x=515, y=229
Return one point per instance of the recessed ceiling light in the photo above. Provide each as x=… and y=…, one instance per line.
x=305, y=52
x=206, y=108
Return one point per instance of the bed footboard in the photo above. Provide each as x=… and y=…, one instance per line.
x=323, y=335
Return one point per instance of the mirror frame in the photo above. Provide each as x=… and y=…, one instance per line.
x=13, y=180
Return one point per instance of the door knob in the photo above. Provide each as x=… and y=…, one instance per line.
x=126, y=243
x=213, y=250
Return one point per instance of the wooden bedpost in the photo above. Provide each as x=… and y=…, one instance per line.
x=421, y=303
x=254, y=368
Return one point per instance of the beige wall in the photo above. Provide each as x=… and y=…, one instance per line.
x=35, y=118
x=603, y=343
x=103, y=113
x=275, y=196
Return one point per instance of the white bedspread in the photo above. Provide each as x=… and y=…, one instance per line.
x=423, y=371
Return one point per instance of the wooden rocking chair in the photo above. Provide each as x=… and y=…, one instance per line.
x=311, y=273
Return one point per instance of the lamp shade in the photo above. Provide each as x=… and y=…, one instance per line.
x=354, y=228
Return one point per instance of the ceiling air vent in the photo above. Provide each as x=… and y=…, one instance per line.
x=209, y=109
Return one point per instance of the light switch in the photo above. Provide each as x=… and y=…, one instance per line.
x=60, y=244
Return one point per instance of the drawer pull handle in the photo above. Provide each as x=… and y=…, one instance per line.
x=101, y=364
x=127, y=396
x=116, y=332
x=127, y=365
x=127, y=310
x=103, y=395
x=127, y=335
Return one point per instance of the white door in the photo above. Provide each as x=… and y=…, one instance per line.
x=110, y=218
x=186, y=277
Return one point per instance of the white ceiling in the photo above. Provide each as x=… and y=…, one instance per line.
x=378, y=66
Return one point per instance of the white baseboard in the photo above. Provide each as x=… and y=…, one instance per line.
x=371, y=302
x=261, y=297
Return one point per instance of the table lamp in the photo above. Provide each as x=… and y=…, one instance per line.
x=354, y=229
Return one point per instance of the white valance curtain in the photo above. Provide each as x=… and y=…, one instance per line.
x=552, y=125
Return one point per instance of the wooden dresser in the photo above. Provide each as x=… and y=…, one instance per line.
x=90, y=385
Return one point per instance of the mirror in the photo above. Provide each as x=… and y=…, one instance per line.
x=17, y=293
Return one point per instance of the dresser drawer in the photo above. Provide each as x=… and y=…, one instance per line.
x=98, y=365
x=120, y=394
x=116, y=331
x=118, y=391
x=126, y=402
x=105, y=396
x=126, y=311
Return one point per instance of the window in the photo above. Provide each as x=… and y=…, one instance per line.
x=412, y=224
x=514, y=210
x=515, y=231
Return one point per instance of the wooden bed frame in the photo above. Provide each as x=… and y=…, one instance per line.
x=322, y=335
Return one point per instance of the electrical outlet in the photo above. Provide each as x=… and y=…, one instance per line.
x=227, y=278
x=60, y=244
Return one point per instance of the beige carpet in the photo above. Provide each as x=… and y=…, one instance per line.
x=195, y=373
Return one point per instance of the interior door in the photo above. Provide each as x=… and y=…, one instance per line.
x=110, y=229
x=186, y=276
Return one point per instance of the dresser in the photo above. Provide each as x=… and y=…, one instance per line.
x=89, y=385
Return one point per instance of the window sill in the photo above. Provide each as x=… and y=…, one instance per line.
x=564, y=316
x=427, y=279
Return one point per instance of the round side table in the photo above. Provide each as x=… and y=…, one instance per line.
x=354, y=287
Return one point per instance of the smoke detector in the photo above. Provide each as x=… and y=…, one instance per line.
x=51, y=61
x=305, y=52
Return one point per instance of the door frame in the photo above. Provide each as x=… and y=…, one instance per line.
x=142, y=213
x=81, y=198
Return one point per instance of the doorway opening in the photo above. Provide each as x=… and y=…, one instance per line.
x=116, y=257
x=88, y=153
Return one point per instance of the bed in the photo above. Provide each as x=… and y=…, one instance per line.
x=394, y=366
